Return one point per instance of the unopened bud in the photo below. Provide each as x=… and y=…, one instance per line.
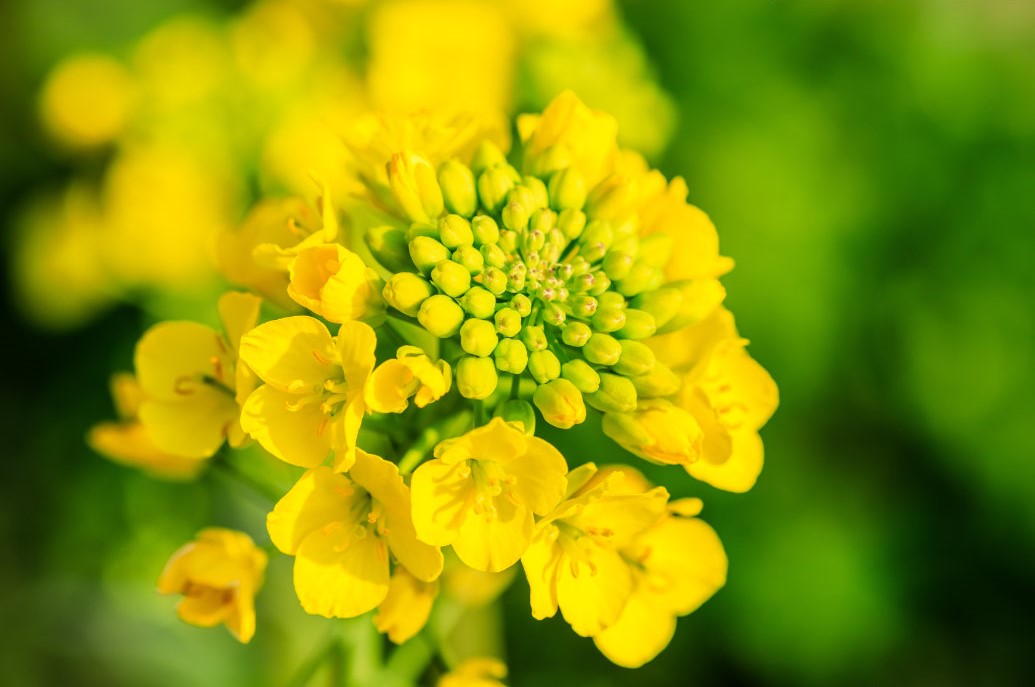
x=567, y=190
x=452, y=278
x=487, y=155
x=662, y=304
x=636, y=359
x=405, y=291
x=511, y=356
x=518, y=411
x=544, y=366
x=508, y=322
x=579, y=373
x=515, y=215
x=522, y=303
x=478, y=337
x=414, y=186
x=441, y=316
x=659, y=382
x=584, y=306
x=611, y=198
x=602, y=349
x=571, y=223
x=458, y=190
x=427, y=252
x=486, y=231
x=454, y=231
x=561, y=403
x=576, y=334
x=493, y=255
x=389, y=246
x=534, y=337
x=494, y=280
x=608, y=319
x=638, y=325
x=617, y=265
x=642, y=277
x=476, y=377
x=615, y=395
x=493, y=186
x=478, y=302
x=539, y=197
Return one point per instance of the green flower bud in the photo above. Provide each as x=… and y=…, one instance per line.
x=441, y=316
x=515, y=215
x=601, y=284
x=571, y=223
x=427, y=252
x=405, y=291
x=550, y=160
x=471, y=259
x=602, y=349
x=493, y=186
x=552, y=314
x=511, y=356
x=659, y=382
x=662, y=304
x=611, y=299
x=579, y=373
x=561, y=403
x=636, y=359
x=516, y=410
x=567, y=190
x=609, y=319
x=457, y=182
x=656, y=250
x=508, y=322
x=576, y=334
x=611, y=198
x=638, y=325
x=420, y=229
x=522, y=303
x=534, y=337
x=615, y=395
x=486, y=231
x=584, y=306
x=454, y=231
x=544, y=220
x=494, y=280
x=476, y=377
x=544, y=366
x=493, y=255
x=642, y=277
x=538, y=194
x=617, y=265
x=452, y=278
x=478, y=337
x=478, y=302
x=597, y=232
x=389, y=246
x=487, y=155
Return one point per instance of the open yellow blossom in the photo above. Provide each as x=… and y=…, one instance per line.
x=333, y=282
x=729, y=395
x=312, y=401
x=411, y=374
x=475, y=672
x=218, y=575
x=192, y=383
x=657, y=431
x=677, y=565
x=573, y=135
x=575, y=561
x=480, y=491
x=343, y=532
x=406, y=609
x=127, y=441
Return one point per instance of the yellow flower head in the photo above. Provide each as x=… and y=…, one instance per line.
x=411, y=374
x=312, y=402
x=333, y=282
x=127, y=441
x=475, y=672
x=218, y=575
x=575, y=562
x=344, y=531
x=87, y=100
x=191, y=381
x=480, y=491
x=569, y=134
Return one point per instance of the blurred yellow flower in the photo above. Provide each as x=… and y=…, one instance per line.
x=411, y=374
x=312, y=401
x=191, y=380
x=406, y=608
x=218, y=575
x=475, y=672
x=480, y=491
x=569, y=134
x=87, y=100
x=343, y=531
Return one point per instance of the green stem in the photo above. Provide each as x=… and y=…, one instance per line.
x=308, y=670
x=515, y=386
x=229, y=471
x=447, y=427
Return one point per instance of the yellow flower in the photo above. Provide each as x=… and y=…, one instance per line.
x=333, y=282
x=343, y=530
x=568, y=131
x=312, y=402
x=480, y=491
x=87, y=100
x=406, y=609
x=475, y=672
x=677, y=565
x=127, y=441
x=218, y=574
x=282, y=222
x=192, y=383
x=575, y=560
x=657, y=431
x=411, y=374
x=729, y=395
x=414, y=186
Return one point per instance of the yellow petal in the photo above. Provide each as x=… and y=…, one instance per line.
x=496, y=441
x=194, y=427
x=126, y=394
x=540, y=562
x=593, y=590
x=173, y=358
x=239, y=313
x=345, y=432
x=241, y=620
x=740, y=472
x=494, y=542
x=356, y=342
x=129, y=443
x=641, y=632
x=540, y=475
x=406, y=608
x=297, y=434
x=382, y=480
x=389, y=387
x=440, y=495
x=205, y=608
x=293, y=354
x=624, y=516
x=320, y=497
x=685, y=564
x=340, y=575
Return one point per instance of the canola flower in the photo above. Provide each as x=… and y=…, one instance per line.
x=488, y=292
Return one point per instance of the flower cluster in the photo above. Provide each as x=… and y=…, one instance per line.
x=478, y=293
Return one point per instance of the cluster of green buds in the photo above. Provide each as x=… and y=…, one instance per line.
x=537, y=276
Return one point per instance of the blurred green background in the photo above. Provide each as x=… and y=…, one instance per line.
x=870, y=167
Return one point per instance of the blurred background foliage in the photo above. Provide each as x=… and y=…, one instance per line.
x=870, y=168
